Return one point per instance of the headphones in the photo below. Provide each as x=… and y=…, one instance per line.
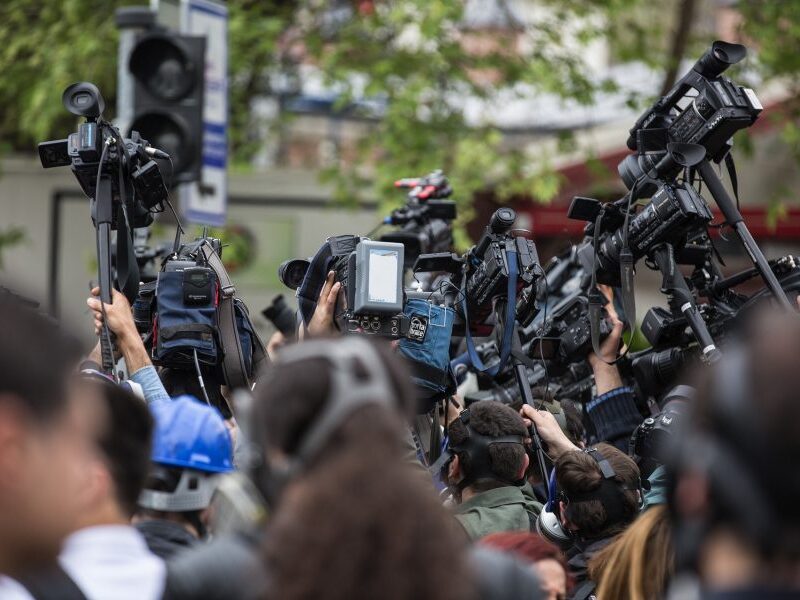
x=609, y=494
x=349, y=391
x=476, y=446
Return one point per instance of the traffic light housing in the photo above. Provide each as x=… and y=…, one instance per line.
x=168, y=71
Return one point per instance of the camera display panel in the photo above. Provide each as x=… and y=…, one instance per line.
x=383, y=268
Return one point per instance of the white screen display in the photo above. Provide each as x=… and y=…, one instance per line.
x=383, y=265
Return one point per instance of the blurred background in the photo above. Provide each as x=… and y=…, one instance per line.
x=520, y=102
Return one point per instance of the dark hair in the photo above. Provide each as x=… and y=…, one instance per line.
x=578, y=473
x=162, y=478
x=747, y=416
x=529, y=547
x=36, y=358
x=178, y=382
x=125, y=442
x=492, y=419
x=360, y=521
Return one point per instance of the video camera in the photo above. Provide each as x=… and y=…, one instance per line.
x=674, y=211
x=425, y=220
x=702, y=108
x=482, y=274
x=98, y=149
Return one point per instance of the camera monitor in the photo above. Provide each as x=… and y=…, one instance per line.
x=379, y=277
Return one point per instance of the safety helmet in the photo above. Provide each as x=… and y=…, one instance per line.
x=192, y=437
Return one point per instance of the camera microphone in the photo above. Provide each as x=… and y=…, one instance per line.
x=156, y=153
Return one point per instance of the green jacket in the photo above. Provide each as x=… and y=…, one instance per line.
x=507, y=508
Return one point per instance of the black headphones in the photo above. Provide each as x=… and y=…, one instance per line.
x=476, y=446
x=610, y=494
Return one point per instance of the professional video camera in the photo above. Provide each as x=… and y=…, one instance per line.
x=487, y=272
x=425, y=221
x=123, y=182
x=674, y=212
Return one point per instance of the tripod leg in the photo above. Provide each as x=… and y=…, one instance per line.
x=674, y=283
x=734, y=217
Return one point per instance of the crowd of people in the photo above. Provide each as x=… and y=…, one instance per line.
x=316, y=486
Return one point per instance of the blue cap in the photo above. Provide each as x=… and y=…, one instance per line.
x=191, y=435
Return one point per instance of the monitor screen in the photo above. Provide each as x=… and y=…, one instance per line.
x=383, y=266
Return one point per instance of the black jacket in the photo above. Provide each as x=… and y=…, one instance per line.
x=165, y=538
x=578, y=563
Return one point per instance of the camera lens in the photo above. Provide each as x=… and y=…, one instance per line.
x=502, y=220
x=292, y=272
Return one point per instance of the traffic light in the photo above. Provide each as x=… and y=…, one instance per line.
x=168, y=72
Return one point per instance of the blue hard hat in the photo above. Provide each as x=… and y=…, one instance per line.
x=191, y=435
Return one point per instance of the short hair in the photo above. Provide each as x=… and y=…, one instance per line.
x=578, y=473
x=125, y=443
x=36, y=358
x=492, y=419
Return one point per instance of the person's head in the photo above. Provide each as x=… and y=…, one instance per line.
x=44, y=442
x=595, y=504
x=191, y=447
x=640, y=562
x=184, y=382
x=546, y=559
x=736, y=483
x=356, y=519
x=122, y=455
x=479, y=462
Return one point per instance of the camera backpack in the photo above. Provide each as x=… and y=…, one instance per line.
x=198, y=319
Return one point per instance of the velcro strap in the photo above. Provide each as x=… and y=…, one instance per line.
x=428, y=373
x=189, y=330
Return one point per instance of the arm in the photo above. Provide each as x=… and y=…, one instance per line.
x=129, y=343
x=549, y=430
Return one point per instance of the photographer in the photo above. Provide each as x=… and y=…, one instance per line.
x=352, y=519
x=598, y=500
x=612, y=412
x=487, y=475
x=120, y=321
x=191, y=446
x=735, y=482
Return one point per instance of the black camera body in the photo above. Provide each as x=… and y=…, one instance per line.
x=425, y=222
x=125, y=161
x=675, y=210
x=718, y=109
x=567, y=336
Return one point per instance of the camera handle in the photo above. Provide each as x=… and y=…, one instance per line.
x=102, y=211
x=527, y=396
x=674, y=284
x=735, y=220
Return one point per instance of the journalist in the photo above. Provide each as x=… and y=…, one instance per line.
x=735, y=481
x=120, y=322
x=44, y=445
x=104, y=556
x=191, y=447
x=486, y=470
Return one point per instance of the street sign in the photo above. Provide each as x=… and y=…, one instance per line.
x=205, y=201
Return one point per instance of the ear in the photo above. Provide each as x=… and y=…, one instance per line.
x=524, y=469
x=454, y=470
x=562, y=513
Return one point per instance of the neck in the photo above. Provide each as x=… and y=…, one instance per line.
x=106, y=512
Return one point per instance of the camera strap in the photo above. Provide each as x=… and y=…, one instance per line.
x=510, y=316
